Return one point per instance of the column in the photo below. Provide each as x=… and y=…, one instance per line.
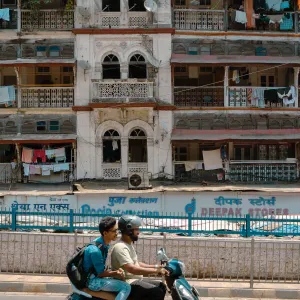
x=150, y=152
x=124, y=156
x=296, y=76
x=124, y=14
x=19, y=16
x=226, y=83
x=99, y=157
x=18, y=95
x=124, y=71
x=19, y=161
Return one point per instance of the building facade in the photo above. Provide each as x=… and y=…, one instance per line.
x=192, y=91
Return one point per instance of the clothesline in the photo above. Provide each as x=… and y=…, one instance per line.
x=31, y=156
x=44, y=169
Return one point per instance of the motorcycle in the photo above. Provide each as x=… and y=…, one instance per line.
x=178, y=286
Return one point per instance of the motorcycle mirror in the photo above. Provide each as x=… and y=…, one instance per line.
x=161, y=255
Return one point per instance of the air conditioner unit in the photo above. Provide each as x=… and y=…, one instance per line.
x=138, y=181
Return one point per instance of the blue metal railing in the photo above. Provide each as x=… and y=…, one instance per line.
x=184, y=224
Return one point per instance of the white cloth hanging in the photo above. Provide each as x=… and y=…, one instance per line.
x=115, y=145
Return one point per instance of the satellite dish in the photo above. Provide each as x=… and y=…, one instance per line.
x=84, y=64
x=150, y=5
x=84, y=11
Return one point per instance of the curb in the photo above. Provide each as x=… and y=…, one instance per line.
x=59, y=288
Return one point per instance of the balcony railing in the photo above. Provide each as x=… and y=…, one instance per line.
x=119, y=89
x=255, y=97
x=112, y=170
x=47, y=19
x=6, y=173
x=13, y=23
x=200, y=19
x=139, y=19
x=47, y=97
x=137, y=167
x=263, y=171
x=109, y=19
x=188, y=96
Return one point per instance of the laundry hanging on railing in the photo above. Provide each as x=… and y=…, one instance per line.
x=32, y=155
x=44, y=170
x=289, y=97
x=4, y=14
x=7, y=95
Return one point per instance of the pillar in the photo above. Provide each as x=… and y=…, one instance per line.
x=19, y=96
x=124, y=71
x=226, y=84
x=124, y=156
x=296, y=77
x=150, y=154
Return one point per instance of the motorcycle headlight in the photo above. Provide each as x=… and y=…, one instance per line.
x=184, y=293
x=182, y=267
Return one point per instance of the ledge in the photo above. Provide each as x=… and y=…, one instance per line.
x=82, y=108
x=124, y=31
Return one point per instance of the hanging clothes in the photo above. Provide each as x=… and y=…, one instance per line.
x=273, y=4
x=275, y=18
x=34, y=170
x=240, y=17
x=259, y=5
x=288, y=97
x=26, y=169
x=27, y=155
x=60, y=155
x=39, y=154
x=257, y=99
x=115, y=145
x=50, y=153
x=4, y=14
x=271, y=96
x=287, y=22
x=250, y=12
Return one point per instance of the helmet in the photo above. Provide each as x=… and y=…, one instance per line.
x=127, y=223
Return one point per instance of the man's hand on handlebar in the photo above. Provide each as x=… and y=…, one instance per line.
x=162, y=271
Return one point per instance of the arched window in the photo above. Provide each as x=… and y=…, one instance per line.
x=111, y=146
x=137, y=146
x=108, y=5
x=111, y=67
x=137, y=67
x=180, y=50
x=135, y=5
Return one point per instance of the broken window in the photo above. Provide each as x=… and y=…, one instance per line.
x=137, y=146
x=108, y=5
x=138, y=67
x=111, y=147
x=137, y=5
x=111, y=67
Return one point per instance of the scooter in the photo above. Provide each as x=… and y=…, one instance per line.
x=178, y=286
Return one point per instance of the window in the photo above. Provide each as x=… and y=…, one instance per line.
x=243, y=152
x=137, y=67
x=109, y=5
x=41, y=126
x=180, y=2
x=180, y=70
x=136, y=5
x=181, y=153
x=9, y=3
x=67, y=69
x=137, y=146
x=54, y=125
x=193, y=51
x=43, y=69
x=180, y=50
x=54, y=51
x=111, y=147
x=111, y=67
x=41, y=51
x=267, y=81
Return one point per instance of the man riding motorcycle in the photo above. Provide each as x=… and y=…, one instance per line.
x=124, y=256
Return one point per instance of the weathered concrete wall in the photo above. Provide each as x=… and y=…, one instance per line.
x=213, y=258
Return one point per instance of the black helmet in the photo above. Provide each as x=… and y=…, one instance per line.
x=128, y=223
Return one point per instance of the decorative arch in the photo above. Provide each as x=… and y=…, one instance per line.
x=137, y=66
x=138, y=124
x=107, y=51
x=140, y=50
x=109, y=125
x=111, y=68
x=180, y=49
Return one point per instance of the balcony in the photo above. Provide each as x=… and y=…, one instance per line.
x=47, y=19
x=263, y=171
x=51, y=97
x=13, y=23
x=124, y=19
x=200, y=19
x=188, y=96
x=105, y=90
x=209, y=19
x=245, y=97
x=112, y=171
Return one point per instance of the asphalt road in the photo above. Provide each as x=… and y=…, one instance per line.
x=21, y=296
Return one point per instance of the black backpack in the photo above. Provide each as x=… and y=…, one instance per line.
x=75, y=270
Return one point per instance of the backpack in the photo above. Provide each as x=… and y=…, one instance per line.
x=75, y=270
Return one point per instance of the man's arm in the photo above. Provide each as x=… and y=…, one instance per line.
x=143, y=265
x=138, y=270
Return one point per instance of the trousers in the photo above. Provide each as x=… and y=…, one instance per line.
x=147, y=289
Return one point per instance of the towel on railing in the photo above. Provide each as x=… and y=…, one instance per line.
x=4, y=14
x=27, y=155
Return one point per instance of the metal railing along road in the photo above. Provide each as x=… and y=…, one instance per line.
x=260, y=221
x=207, y=259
